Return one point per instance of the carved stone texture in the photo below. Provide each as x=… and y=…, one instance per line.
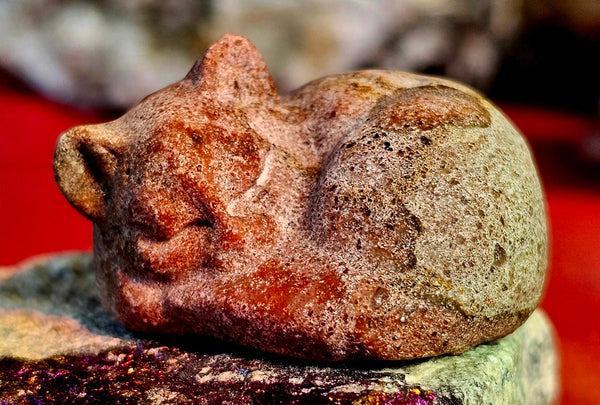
x=375, y=214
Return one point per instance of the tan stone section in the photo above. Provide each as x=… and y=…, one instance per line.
x=482, y=211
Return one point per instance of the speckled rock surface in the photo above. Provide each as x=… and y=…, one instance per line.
x=375, y=214
x=59, y=346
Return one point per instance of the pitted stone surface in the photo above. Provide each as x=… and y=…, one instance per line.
x=374, y=214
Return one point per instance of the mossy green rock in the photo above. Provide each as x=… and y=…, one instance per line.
x=59, y=346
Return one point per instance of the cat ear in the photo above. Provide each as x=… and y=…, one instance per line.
x=84, y=167
x=233, y=70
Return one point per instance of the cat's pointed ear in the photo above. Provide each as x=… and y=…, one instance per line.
x=233, y=70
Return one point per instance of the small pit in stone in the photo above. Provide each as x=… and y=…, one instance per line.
x=499, y=255
x=379, y=297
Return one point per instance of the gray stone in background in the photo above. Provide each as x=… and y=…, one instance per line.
x=112, y=53
x=59, y=346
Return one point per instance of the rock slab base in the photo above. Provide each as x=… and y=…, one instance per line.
x=59, y=346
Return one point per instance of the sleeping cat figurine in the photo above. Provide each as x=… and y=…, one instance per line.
x=374, y=214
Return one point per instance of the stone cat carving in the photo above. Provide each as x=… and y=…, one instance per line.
x=374, y=214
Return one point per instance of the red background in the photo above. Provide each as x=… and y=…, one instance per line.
x=36, y=219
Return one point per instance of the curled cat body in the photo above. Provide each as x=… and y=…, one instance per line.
x=374, y=214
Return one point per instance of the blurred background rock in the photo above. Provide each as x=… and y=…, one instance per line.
x=111, y=53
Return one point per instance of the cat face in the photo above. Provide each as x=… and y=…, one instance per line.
x=160, y=178
x=159, y=182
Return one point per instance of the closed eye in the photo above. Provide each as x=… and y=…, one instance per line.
x=203, y=223
x=165, y=233
x=196, y=223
